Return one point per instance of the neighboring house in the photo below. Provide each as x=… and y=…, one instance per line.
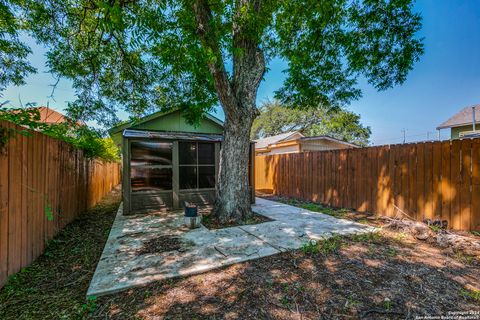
x=462, y=123
x=50, y=116
x=294, y=142
x=168, y=162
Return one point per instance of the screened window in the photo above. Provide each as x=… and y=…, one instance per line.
x=150, y=165
x=197, y=165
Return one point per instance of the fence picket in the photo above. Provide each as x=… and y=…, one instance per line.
x=37, y=172
x=435, y=180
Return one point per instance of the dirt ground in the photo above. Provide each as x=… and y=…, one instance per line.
x=54, y=286
x=383, y=275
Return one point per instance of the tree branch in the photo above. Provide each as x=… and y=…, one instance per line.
x=210, y=42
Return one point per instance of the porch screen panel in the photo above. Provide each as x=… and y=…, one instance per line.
x=197, y=165
x=151, y=166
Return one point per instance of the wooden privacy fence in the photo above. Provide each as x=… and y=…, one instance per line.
x=44, y=184
x=425, y=180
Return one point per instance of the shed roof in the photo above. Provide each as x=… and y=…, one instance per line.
x=462, y=118
x=155, y=115
x=129, y=133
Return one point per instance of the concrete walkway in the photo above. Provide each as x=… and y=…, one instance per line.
x=122, y=266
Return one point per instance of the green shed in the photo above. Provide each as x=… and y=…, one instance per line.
x=168, y=162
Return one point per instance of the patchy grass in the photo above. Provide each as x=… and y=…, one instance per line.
x=341, y=213
x=54, y=286
x=368, y=276
x=316, y=207
x=379, y=275
x=470, y=294
x=327, y=246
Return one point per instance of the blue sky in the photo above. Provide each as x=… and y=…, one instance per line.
x=446, y=79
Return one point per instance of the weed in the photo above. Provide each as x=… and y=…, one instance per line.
x=90, y=305
x=400, y=236
x=299, y=287
x=387, y=304
x=373, y=237
x=331, y=244
x=327, y=246
x=269, y=283
x=460, y=256
x=391, y=252
x=147, y=294
x=363, y=221
x=284, y=301
x=351, y=302
x=435, y=228
x=472, y=294
x=310, y=247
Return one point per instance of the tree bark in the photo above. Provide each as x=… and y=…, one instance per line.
x=237, y=96
x=233, y=192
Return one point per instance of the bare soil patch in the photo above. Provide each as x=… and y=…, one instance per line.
x=212, y=223
x=161, y=244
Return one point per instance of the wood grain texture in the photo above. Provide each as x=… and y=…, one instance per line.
x=428, y=180
x=44, y=185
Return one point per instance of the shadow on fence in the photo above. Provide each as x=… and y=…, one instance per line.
x=432, y=180
x=44, y=184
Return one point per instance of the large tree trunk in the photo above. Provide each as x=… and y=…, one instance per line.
x=237, y=95
x=233, y=193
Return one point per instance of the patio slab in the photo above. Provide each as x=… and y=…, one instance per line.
x=123, y=266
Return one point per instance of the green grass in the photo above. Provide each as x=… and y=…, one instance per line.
x=470, y=294
x=316, y=207
x=327, y=246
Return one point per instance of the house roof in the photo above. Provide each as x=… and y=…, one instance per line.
x=155, y=115
x=289, y=136
x=329, y=139
x=50, y=116
x=265, y=142
x=462, y=118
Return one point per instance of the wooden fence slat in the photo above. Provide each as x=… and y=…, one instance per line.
x=437, y=180
x=465, y=190
x=428, y=211
x=35, y=172
x=427, y=180
x=4, y=212
x=446, y=185
x=475, y=223
x=455, y=170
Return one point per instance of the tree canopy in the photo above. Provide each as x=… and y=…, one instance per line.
x=142, y=55
x=338, y=123
x=14, y=65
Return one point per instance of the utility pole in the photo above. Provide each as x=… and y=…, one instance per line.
x=404, y=135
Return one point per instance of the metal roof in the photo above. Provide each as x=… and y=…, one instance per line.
x=143, y=134
x=155, y=115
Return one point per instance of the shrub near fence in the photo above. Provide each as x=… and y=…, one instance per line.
x=44, y=184
x=432, y=180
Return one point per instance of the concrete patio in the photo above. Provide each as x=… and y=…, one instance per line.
x=122, y=266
